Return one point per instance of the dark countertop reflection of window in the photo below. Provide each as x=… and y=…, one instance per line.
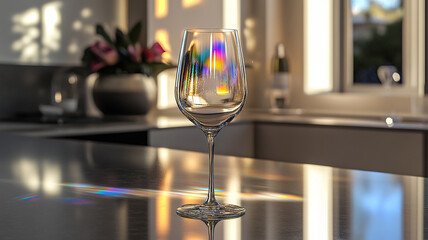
x=57, y=189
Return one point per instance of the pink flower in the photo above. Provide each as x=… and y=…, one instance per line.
x=97, y=65
x=105, y=52
x=157, y=51
x=148, y=55
x=135, y=52
x=153, y=54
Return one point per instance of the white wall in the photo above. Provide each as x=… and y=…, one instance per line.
x=53, y=32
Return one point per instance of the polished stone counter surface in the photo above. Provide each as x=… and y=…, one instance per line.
x=63, y=189
x=116, y=124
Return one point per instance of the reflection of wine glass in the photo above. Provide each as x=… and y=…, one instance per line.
x=210, y=91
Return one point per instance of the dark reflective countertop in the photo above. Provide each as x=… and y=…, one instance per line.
x=56, y=189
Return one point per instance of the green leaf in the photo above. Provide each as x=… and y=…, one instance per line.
x=100, y=31
x=88, y=57
x=158, y=67
x=121, y=39
x=134, y=34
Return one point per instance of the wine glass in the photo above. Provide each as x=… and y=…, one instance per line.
x=210, y=90
x=387, y=75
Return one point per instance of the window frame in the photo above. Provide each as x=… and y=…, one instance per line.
x=413, y=52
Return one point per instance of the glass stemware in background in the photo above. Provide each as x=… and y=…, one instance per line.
x=387, y=75
x=65, y=92
x=210, y=91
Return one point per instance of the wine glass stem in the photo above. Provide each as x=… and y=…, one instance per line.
x=211, y=226
x=211, y=195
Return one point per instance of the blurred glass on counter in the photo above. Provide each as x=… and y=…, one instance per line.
x=279, y=92
x=65, y=92
x=388, y=75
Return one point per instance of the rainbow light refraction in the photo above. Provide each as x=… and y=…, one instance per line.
x=208, y=62
x=28, y=197
x=199, y=192
x=98, y=190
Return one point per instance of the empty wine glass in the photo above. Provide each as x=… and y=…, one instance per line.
x=210, y=90
x=387, y=74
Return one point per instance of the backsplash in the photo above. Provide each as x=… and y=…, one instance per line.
x=24, y=88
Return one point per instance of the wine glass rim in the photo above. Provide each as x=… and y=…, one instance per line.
x=210, y=30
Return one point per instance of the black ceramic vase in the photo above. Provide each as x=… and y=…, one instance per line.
x=124, y=94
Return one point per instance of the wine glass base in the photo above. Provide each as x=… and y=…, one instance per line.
x=203, y=212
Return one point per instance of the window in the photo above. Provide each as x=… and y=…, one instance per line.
x=377, y=28
x=380, y=33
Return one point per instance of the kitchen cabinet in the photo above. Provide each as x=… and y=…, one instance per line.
x=130, y=138
x=235, y=139
x=387, y=150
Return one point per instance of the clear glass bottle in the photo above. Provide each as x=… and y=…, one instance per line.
x=279, y=93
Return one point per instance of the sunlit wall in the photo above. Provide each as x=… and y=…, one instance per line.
x=167, y=21
x=53, y=32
